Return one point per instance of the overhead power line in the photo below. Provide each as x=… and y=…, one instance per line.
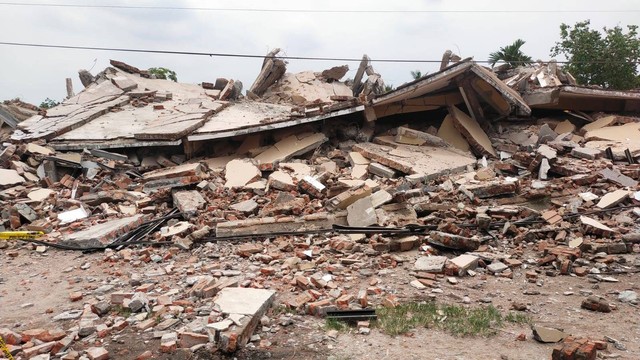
x=314, y=11
x=253, y=56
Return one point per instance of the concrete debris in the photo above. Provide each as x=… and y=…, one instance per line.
x=472, y=132
x=548, y=335
x=362, y=213
x=245, y=304
x=208, y=206
x=239, y=173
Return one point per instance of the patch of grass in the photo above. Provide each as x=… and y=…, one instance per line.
x=455, y=319
x=123, y=311
x=518, y=318
x=335, y=324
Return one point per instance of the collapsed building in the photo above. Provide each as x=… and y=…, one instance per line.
x=456, y=161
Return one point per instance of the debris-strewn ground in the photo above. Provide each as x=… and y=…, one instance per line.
x=479, y=233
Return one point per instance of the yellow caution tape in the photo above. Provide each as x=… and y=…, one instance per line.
x=5, y=349
x=19, y=235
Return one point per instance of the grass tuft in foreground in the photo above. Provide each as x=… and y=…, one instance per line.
x=457, y=320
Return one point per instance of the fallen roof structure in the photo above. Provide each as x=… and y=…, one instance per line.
x=580, y=98
x=463, y=82
x=14, y=111
x=548, y=86
x=124, y=107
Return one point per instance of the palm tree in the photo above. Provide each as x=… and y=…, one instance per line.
x=511, y=54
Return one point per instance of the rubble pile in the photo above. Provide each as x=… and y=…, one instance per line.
x=13, y=112
x=309, y=215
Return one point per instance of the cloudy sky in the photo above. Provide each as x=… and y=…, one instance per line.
x=425, y=32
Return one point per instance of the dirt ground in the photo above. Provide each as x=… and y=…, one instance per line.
x=34, y=287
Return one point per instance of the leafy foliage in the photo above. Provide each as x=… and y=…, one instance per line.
x=48, y=104
x=609, y=59
x=511, y=54
x=416, y=74
x=163, y=73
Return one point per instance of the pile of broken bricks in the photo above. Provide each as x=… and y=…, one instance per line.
x=262, y=224
x=479, y=210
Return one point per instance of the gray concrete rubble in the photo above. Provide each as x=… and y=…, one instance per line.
x=220, y=216
x=244, y=307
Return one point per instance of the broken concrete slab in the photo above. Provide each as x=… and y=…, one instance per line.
x=546, y=134
x=565, y=127
x=268, y=225
x=612, y=199
x=451, y=135
x=381, y=170
x=193, y=169
x=66, y=217
x=362, y=213
x=178, y=229
x=287, y=148
x=281, y=180
x=409, y=136
x=452, y=241
x=425, y=161
x=40, y=194
x=492, y=188
x=298, y=170
x=188, y=202
x=240, y=172
x=37, y=149
x=246, y=207
x=586, y=153
x=433, y=264
x=547, y=151
x=380, y=198
x=497, y=267
x=472, y=132
x=102, y=234
x=251, y=304
x=465, y=262
x=548, y=335
x=312, y=186
x=618, y=178
x=355, y=158
x=598, y=124
x=9, y=178
x=359, y=172
x=593, y=226
x=630, y=131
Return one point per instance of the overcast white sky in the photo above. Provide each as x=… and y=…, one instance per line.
x=34, y=74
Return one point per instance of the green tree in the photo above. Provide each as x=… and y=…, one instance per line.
x=163, y=73
x=48, y=104
x=416, y=74
x=609, y=59
x=511, y=54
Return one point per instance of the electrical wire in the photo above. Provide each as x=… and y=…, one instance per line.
x=310, y=11
x=253, y=56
